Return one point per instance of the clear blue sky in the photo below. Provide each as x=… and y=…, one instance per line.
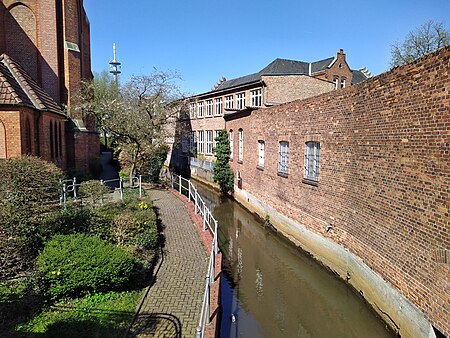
x=204, y=40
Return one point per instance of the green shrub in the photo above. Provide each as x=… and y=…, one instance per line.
x=78, y=263
x=148, y=239
x=94, y=190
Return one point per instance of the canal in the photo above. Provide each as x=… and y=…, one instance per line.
x=272, y=289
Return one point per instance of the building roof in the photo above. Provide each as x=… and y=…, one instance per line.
x=18, y=88
x=359, y=76
x=286, y=67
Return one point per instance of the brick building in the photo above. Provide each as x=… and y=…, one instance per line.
x=279, y=82
x=45, y=53
x=360, y=178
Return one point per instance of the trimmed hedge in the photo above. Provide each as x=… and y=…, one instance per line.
x=78, y=263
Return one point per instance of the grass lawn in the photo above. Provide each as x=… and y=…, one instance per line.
x=96, y=315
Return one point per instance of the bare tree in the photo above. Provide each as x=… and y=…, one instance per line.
x=138, y=115
x=426, y=39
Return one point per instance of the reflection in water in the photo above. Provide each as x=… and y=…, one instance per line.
x=275, y=290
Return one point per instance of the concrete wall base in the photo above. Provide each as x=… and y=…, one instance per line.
x=394, y=308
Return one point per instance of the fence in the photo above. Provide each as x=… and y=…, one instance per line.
x=70, y=189
x=185, y=187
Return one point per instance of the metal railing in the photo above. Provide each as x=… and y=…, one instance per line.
x=185, y=187
x=69, y=189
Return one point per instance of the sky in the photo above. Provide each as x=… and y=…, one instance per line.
x=203, y=40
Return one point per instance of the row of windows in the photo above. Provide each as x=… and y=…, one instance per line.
x=212, y=107
x=204, y=141
x=336, y=82
x=311, y=156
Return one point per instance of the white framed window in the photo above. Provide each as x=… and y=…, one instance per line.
x=192, y=109
x=336, y=82
x=201, y=142
x=201, y=109
x=209, y=107
x=312, y=160
x=216, y=135
x=209, y=142
x=240, y=101
x=261, y=146
x=218, y=106
x=229, y=101
x=231, y=144
x=342, y=83
x=241, y=145
x=256, y=97
x=283, y=158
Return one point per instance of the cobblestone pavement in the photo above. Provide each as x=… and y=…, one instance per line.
x=172, y=306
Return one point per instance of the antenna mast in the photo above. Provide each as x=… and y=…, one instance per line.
x=115, y=65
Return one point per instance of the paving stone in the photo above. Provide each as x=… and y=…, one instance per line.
x=173, y=303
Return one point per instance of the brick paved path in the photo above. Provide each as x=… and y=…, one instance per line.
x=172, y=306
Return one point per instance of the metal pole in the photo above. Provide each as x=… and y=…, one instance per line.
x=198, y=334
x=180, y=185
x=65, y=195
x=195, y=202
x=215, y=238
x=101, y=198
x=204, y=217
x=213, y=268
x=121, y=188
x=140, y=186
x=172, y=180
x=208, y=298
x=74, y=188
x=189, y=193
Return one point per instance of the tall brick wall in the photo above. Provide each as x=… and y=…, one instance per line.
x=384, y=174
x=11, y=133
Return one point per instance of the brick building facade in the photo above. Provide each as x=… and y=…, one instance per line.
x=360, y=178
x=45, y=48
x=279, y=82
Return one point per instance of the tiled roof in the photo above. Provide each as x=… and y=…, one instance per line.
x=18, y=88
x=321, y=65
x=358, y=76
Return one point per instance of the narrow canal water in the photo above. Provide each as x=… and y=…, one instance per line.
x=272, y=289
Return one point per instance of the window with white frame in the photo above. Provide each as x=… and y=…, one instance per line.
x=218, y=106
x=336, y=82
x=229, y=101
x=241, y=145
x=342, y=83
x=209, y=142
x=209, y=107
x=240, y=101
x=201, y=142
x=231, y=144
x=261, y=146
x=192, y=110
x=312, y=156
x=200, y=109
x=256, y=97
x=216, y=135
x=283, y=158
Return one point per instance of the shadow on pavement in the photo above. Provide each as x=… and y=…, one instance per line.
x=156, y=325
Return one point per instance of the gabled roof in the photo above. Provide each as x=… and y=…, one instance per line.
x=358, y=76
x=18, y=88
x=321, y=65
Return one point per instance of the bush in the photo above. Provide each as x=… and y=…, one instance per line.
x=78, y=263
x=148, y=239
x=93, y=189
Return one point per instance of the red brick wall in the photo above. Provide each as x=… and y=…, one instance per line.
x=11, y=124
x=384, y=174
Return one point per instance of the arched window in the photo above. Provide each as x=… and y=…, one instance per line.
x=241, y=145
x=55, y=135
x=231, y=144
x=27, y=137
x=2, y=140
x=60, y=139
x=52, y=154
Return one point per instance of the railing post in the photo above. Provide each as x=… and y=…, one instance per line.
x=213, y=267
x=195, y=201
x=74, y=188
x=189, y=192
x=101, y=198
x=198, y=334
x=121, y=188
x=65, y=195
x=180, y=185
x=171, y=178
x=215, y=238
x=140, y=186
x=204, y=217
x=208, y=298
